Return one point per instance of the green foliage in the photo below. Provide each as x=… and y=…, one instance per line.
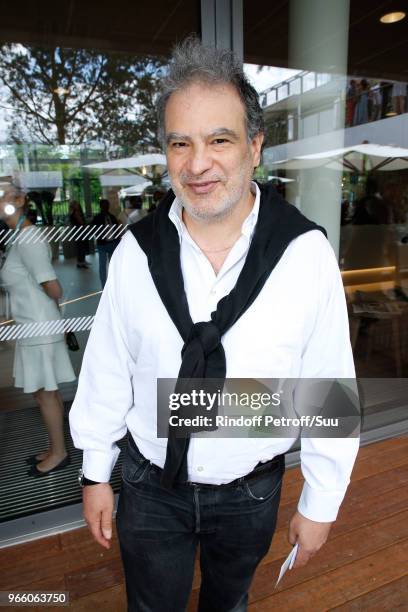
x=72, y=96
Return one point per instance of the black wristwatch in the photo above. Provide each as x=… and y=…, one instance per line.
x=84, y=481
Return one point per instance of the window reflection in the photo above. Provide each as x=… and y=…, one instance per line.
x=342, y=85
x=64, y=112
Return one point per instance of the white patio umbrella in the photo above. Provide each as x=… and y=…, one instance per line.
x=358, y=158
x=280, y=178
x=152, y=166
x=134, y=189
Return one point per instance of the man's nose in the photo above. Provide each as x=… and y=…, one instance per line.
x=199, y=160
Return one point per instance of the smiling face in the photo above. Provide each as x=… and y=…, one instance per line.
x=209, y=159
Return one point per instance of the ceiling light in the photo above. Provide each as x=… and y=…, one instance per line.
x=393, y=17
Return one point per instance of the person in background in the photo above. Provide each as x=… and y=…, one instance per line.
x=158, y=194
x=350, y=102
x=399, y=97
x=376, y=99
x=108, y=242
x=386, y=100
x=361, y=111
x=40, y=362
x=32, y=214
x=372, y=209
x=136, y=211
x=132, y=210
x=77, y=218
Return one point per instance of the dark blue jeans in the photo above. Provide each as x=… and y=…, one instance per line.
x=159, y=531
x=105, y=252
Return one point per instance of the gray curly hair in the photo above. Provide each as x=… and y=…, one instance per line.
x=192, y=61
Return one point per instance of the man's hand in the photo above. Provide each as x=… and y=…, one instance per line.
x=98, y=503
x=310, y=535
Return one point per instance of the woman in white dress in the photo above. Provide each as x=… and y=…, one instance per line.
x=40, y=362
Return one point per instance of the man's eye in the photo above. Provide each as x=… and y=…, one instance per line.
x=220, y=140
x=177, y=145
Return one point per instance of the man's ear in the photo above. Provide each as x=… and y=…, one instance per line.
x=256, y=145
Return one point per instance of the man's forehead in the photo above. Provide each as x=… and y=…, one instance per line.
x=206, y=94
x=205, y=109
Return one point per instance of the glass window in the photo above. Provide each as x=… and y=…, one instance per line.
x=80, y=157
x=347, y=100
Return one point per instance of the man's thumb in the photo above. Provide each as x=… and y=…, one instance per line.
x=106, y=526
x=292, y=535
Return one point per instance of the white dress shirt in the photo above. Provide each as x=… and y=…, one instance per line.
x=296, y=327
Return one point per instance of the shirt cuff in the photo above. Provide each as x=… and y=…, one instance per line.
x=44, y=278
x=320, y=506
x=98, y=466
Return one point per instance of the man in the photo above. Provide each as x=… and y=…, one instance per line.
x=211, y=282
x=106, y=244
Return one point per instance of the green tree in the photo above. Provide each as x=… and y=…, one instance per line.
x=72, y=96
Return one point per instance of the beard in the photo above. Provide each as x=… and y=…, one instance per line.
x=208, y=210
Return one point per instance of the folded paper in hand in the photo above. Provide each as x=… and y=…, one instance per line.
x=288, y=563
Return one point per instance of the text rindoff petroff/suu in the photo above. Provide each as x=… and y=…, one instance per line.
x=256, y=420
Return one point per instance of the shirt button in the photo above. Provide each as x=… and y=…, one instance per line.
x=213, y=292
x=200, y=468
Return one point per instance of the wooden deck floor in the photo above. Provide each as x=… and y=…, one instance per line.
x=363, y=566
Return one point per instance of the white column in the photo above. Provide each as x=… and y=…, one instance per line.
x=318, y=41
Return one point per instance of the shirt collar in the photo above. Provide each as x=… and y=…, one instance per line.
x=248, y=226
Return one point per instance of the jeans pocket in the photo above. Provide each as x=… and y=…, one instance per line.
x=133, y=470
x=265, y=487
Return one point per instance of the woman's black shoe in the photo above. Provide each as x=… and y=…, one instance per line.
x=36, y=473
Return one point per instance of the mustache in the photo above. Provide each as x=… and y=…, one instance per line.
x=190, y=178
